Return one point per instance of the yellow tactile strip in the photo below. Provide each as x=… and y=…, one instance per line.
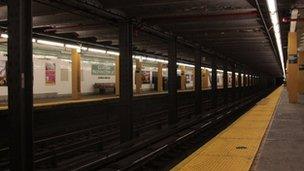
x=235, y=148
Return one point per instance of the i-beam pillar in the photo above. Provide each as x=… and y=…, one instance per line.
x=198, y=84
x=172, y=81
x=126, y=80
x=233, y=81
x=240, y=83
x=225, y=81
x=20, y=84
x=214, y=81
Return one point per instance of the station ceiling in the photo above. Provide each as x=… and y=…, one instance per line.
x=232, y=28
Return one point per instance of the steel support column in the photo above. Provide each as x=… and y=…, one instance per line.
x=172, y=81
x=198, y=84
x=244, y=89
x=225, y=81
x=20, y=84
x=240, y=87
x=214, y=81
x=126, y=82
x=245, y=79
x=233, y=81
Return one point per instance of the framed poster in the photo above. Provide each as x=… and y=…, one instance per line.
x=187, y=78
x=50, y=73
x=64, y=74
x=3, y=79
x=146, y=77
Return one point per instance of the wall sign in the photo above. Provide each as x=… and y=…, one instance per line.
x=293, y=59
x=102, y=69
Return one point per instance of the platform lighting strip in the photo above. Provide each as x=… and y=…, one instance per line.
x=273, y=12
x=114, y=53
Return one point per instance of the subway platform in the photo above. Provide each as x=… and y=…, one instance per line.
x=282, y=147
x=268, y=137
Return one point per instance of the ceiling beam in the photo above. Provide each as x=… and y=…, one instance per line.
x=200, y=18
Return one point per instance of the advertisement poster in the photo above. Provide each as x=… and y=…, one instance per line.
x=50, y=73
x=146, y=77
x=3, y=80
x=188, y=79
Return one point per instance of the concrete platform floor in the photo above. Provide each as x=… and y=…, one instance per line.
x=283, y=145
x=84, y=98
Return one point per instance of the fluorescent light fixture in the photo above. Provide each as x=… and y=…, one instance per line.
x=136, y=57
x=113, y=53
x=273, y=12
x=38, y=57
x=209, y=69
x=50, y=57
x=46, y=42
x=5, y=36
x=151, y=59
x=183, y=64
x=219, y=70
x=76, y=47
x=66, y=60
x=161, y=61
x=97, y=50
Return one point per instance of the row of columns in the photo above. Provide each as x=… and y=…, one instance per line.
x=20, y=82
x=76, y=76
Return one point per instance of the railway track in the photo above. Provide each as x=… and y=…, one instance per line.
x=99, y=146
x=161, y=153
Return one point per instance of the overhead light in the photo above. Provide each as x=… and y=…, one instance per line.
x=97, y=50
x=151, y=59
x=5, y=36
x=272, y=5
x=46, y=42
x=113, y=53
x=66, y=60
x=209, y=69
x=161, y=61
x=136, y=57
x=78, y=48
x=183, y=64
x=273, y=12
x=50, y=57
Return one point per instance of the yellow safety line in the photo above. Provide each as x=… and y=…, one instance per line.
x=235, y=148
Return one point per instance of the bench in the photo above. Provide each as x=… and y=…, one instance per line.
x=105, y=87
